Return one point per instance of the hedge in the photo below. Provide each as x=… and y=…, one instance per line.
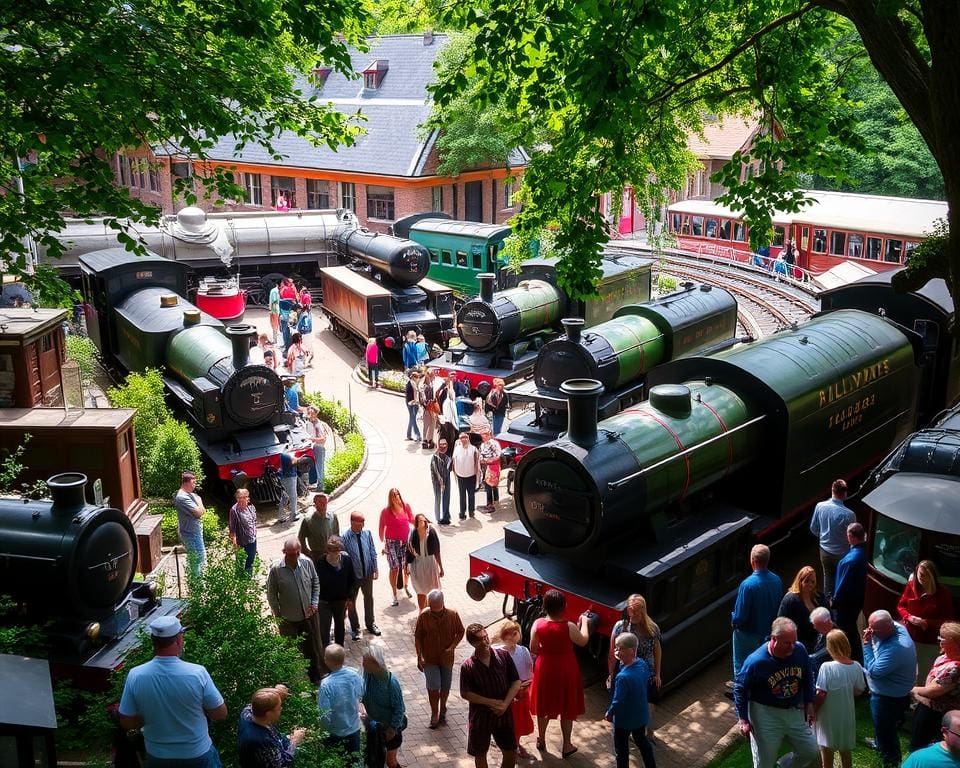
x=344, y=462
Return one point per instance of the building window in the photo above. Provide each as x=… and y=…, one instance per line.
x=348, y=196
x=318, y=194
x=437, y=199
x=838, y=243
x=370, y=80
x=699, y=183
x=122, y=168
x=287, y=185
x=508, y=191
x=894, y=252
x=132, y=170
x=154, y=179
x=819, y=240
x=251, y=183
x=380, y=203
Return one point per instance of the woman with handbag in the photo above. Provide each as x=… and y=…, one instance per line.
x=424, y=566
x=490, y=461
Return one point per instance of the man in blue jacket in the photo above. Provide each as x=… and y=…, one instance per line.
x=851, y=587
x=758, y=602
x=774, y=696
x=628, y=710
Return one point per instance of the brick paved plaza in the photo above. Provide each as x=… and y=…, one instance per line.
x=689, y=723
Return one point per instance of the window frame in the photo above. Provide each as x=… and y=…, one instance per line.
x=381, y=203
x=315, y=194
x=253, y=189
x=348, y=195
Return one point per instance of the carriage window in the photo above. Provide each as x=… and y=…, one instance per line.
x=778, y=236
x=944, y=550
x=447, y=257
x=477, y=260
x=461, y=259
x=837, y=242
x=725, y=229
x=685, y=226
x=804, y=238
x=675, y=222
x=739, y=232
x=855, y=247
x=712, y=227
x=874, y=248
x=697, y=226
x=819, y=241
x=894, y=252
x=434, y=256
x=908, y=249
x=896, y=548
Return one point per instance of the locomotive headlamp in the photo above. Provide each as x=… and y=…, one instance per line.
x=93, y=630
x=152, y=587
x=389, y=342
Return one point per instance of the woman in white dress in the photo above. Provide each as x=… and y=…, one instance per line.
x=423, y=559
x=839, y=682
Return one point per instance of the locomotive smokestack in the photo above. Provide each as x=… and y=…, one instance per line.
x=486, y=286
x=572, y=326
x=66, y=490
x=582, y=396
x=240, y=337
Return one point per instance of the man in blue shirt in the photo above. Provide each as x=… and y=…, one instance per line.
x=774, y=696
x=171, y=700
x=829, y=524
x=758, y=602
x=890, y=660
x=850, y=589
x=339, y=701
x=291, y=394
x=943, y=754
x=628, y=710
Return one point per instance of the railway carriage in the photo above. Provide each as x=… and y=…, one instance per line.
x=872, y=230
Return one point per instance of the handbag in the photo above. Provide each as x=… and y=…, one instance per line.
x=433, y=407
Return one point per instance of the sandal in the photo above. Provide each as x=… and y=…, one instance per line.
x=433, y=725
x=568, y=753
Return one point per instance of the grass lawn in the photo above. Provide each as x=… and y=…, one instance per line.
x=863, y=757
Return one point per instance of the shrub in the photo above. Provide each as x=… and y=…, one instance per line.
x=172, y=450
x=168, y=526
x=332, y=412
x=666, y=284
x=238, y=644
x=143, y=391
x=344, y=462
x=82, y=350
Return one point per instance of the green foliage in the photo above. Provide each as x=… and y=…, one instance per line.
x=606, y=94
x=165, y=447
x=83, y=80
x=666, y=284
x=332, y=412
x=344, y=462
x=396, y=17
x=82, y=350
x=17, y=638
x=172, y=451
x=237, y=643
x=10, y=469
x=210, y=523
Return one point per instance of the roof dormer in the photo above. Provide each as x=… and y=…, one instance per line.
x=319, y=75
x=373, y=75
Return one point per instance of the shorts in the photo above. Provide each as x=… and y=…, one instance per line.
x=438, y=678
x=478, y=739
x=396, y=553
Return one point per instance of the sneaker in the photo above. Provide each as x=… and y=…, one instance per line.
x=373, y=629
x=443, y=522
x=395, y=602
x=355, y=635
x=463, y=516
x=471, y=515
x=293, y=519
x=870, y=742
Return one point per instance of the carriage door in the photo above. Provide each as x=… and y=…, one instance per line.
x=473, y=202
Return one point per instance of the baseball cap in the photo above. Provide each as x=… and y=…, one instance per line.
x=165, y=626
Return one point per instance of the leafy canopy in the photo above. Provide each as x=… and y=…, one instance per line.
x=83, y=79
x=617, y=87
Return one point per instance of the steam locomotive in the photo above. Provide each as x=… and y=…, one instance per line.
x=665, y=498
x=138, y=318
x=619, y=353
x=502, y=333
x=71, y=565
x=385, y=291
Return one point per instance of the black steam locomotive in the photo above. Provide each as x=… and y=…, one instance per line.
x=70, y=566
x=502, y=333
x=664, y=498
x=384, y=292
x=138, y=318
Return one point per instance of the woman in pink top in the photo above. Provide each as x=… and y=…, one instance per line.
x=395, y=521
x=373, y=362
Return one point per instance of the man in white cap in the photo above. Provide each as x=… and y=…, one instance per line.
x=171, y=701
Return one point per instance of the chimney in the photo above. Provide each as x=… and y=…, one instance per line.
x=572, y=326
x=66, y=490
x=240, y=337
x=582, y=396
x=486, y=286
x=427, y=37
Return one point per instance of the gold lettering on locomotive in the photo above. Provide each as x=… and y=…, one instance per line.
x=849, y=384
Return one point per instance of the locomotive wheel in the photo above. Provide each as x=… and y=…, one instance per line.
x=256, y=297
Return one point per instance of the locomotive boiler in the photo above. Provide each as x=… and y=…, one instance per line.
x=403, y=261
x=732, y=447
x=618, y=353
x=138, y=318
x=501, y=333
x=70, y=566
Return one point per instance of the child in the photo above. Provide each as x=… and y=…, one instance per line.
x=305, y=329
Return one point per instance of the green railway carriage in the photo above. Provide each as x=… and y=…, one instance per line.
x=461, y=250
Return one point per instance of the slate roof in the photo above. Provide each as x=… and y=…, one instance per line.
x=392, y=144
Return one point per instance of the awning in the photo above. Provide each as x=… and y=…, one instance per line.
x=930, y=502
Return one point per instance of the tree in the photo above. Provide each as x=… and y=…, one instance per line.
x=83, y=79
x=619, y=85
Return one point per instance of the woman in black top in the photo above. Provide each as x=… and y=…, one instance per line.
x=800, y=600
x=337, y=583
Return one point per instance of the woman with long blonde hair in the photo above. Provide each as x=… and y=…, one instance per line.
x=801, y=598
x=395, y=521
x=637, y=620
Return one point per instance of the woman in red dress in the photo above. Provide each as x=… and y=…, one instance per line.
x=557, y=690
